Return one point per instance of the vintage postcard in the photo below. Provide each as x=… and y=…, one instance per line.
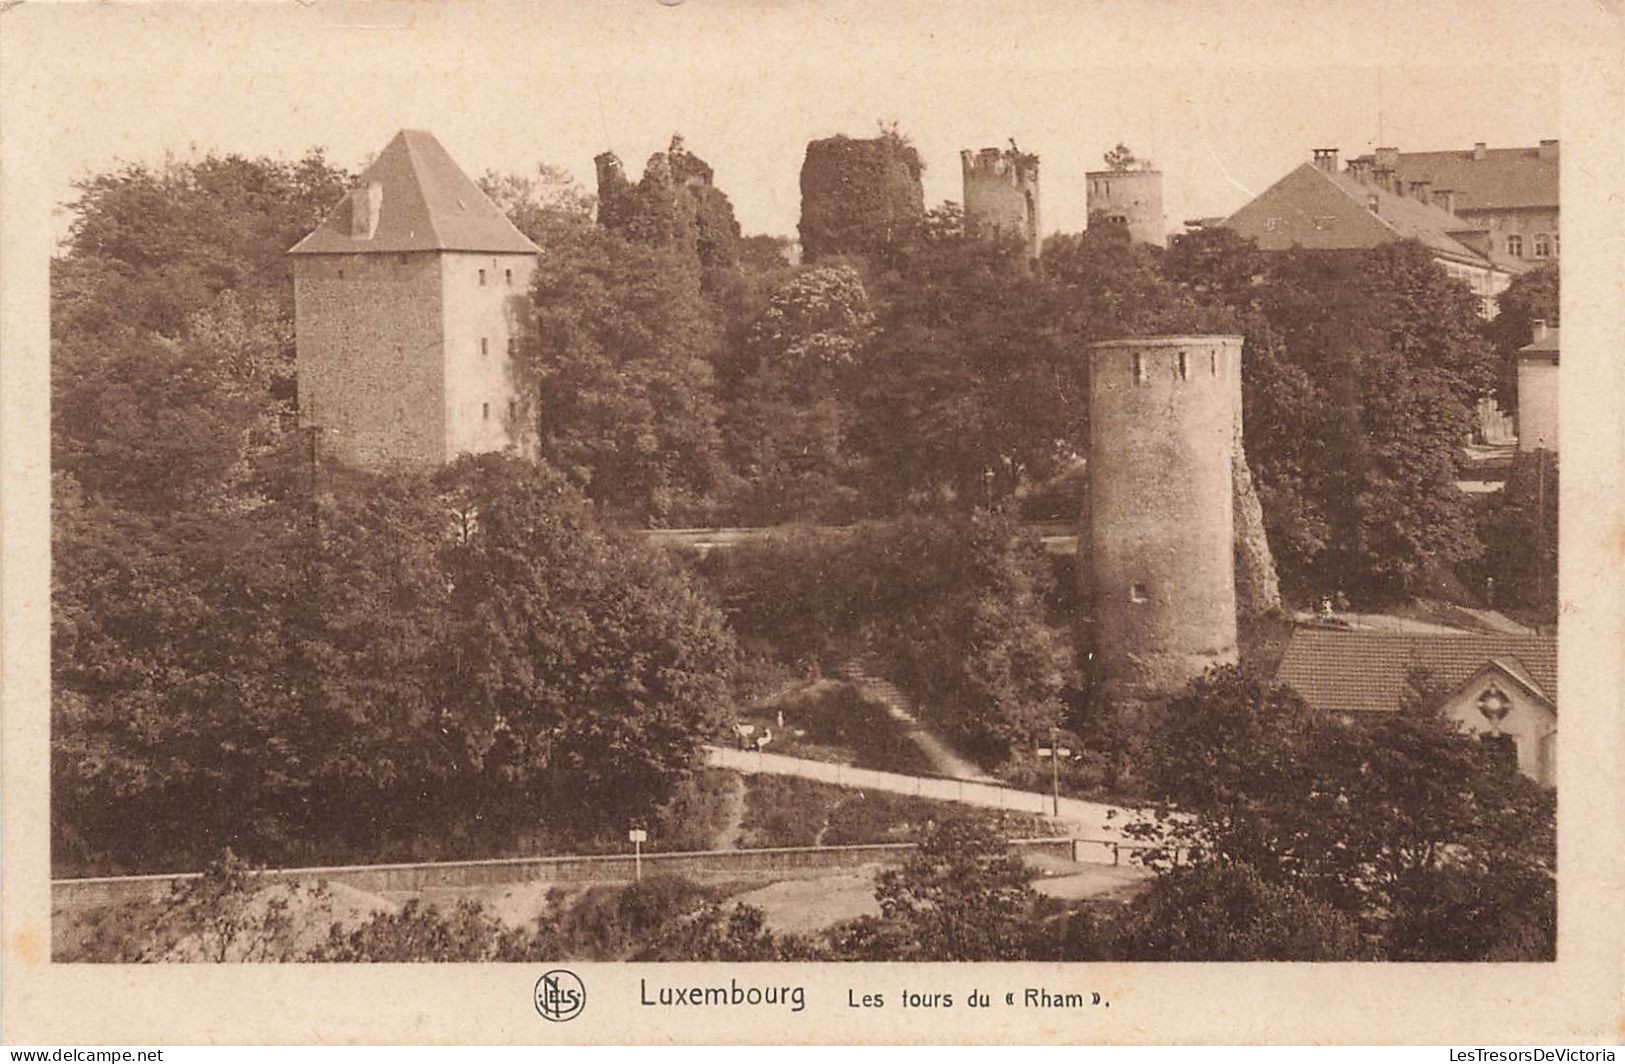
x=710, y=522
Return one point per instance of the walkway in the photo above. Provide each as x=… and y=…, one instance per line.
x=1084, y=820
x=944, y=761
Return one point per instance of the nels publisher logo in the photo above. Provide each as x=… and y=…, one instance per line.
x=560, y=995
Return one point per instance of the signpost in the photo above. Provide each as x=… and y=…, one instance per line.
x=638, y=837
x=1054, y=753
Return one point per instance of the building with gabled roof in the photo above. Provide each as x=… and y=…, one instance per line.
x=1317, y=206
x=1500, y=686
x=407, y=303
x=1511, y=194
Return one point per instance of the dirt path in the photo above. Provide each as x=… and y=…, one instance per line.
x=944, y=761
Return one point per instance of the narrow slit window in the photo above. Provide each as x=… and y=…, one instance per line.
x=482, y=278
x=485, y=345
x=513, y=346
x=1140, y=373
x=1138, y=592
x=1212, y=363
x=513, y=409
x=485, y=411
x=507, y=276
x=1184, y=366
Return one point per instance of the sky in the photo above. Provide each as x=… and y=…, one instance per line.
x=1225, y=99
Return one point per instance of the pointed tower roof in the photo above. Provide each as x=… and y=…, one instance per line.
x=414, y=197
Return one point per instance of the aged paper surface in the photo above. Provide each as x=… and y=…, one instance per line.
x=86, y=85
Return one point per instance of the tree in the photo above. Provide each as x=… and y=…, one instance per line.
x=618, y=364
x=1121, y=158
x=1535, y=295
x=1392, y=822
x=969, y=388
x=960, y=896
x=788, y=424
x=1213, y=913
x=1519, y=529
x=537, y=202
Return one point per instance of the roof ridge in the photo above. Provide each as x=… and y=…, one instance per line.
x=416, y=166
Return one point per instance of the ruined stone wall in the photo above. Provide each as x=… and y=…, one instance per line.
x=674, y=204
x=1001, y=194
x=1161, y=517
x=370, y=357
x=859, y=197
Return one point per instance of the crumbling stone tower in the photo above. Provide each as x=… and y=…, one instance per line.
x=1162, y=417
x=1001, y=193
x=407, y=303
x=674, y=204
x=1132, y=198
x=859, y=197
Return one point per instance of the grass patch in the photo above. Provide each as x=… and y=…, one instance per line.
x=831, y=720
x=788, y=811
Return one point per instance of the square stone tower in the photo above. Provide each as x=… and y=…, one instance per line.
x=408, y=300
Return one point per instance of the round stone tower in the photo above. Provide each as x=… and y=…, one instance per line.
x=1129, y=197
x=1161, y=565
x=1001, y=193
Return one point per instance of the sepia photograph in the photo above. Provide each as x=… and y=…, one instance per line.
x=673, y=499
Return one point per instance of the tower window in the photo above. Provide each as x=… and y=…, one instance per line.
x=1515, y=245
x=485, y=346
x=485, y=411
x=507, y=276
x=482, y=278
x=341, y=273
x=1141, y=374
x=1137, y=592
x=513, y=346
x=513, y=409
x=1184, y=366
x=1212, y=363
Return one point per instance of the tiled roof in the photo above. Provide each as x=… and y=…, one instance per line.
x=1504, y=178
x=1313, y=208
x=428, y=204
x=1363, y=672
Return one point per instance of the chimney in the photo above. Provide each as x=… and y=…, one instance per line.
x=1480, y=152
x=1326, y=159
x=1540, y=328
x=364, y=207
x=1548, y=151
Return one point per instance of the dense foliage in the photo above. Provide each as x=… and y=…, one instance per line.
x=1401, y=827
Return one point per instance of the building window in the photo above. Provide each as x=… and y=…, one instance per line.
x=1555, y=252
x=507, y=276
x=485, y=411
x=482, y=278
x=1543, y=246
x=1515, y=245
x=485, y=346
x=1137, y=592
x=1503, y=748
